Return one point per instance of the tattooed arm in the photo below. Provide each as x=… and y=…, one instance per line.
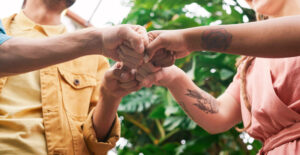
x=271, y=38
x=213, y=115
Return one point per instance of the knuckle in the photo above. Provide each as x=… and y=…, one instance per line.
x=123, y=30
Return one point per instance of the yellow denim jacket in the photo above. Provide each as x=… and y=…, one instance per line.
x=69, y=93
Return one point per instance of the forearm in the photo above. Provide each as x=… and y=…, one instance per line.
x=201, y=107
x=19, y=55
x=104, y=114
x=271, y=38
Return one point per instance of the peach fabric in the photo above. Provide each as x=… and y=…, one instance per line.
x=273, y=91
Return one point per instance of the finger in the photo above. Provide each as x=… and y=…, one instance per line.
x=135, y=40
x=152, y=78
x=130, y=65
x=126, y=77
x=163, y=58
x=139, y=77
x=179, y=55
x=142, y=71
x=128, y=85
x=118, y=65
x=152, y=48
x=150, y=68
x=136, y=88
x=152, y=35
x=149, y=85
x=160, y=55
x=169, y=61
x=146, y=69
x=126, y=69
x=145, y=82
x=143, y=32
x=133, y=59
x=125, y=58
x=114, y=73
x=130, y=52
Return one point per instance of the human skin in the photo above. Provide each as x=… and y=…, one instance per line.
x=118, y=82
x=199, y=105
x=266, y=39
x=260, y=39
x=22, y=55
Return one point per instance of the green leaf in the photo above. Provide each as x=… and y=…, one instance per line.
x=158, y=112
x=172, y=123
x=225, y=74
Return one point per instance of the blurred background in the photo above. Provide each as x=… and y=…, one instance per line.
x=152, y=122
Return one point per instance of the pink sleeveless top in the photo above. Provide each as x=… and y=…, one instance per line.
x=273, y=87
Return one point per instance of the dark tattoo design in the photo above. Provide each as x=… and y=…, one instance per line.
x=216, y=39
x=205, y=102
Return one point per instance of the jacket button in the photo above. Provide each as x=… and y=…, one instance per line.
x=76, y=82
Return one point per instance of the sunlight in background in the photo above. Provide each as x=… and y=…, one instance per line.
x=109, y=11
x=112, y=12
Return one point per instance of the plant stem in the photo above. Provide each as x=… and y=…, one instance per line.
x=168, y=135
x=141, y=126
x=160, y=128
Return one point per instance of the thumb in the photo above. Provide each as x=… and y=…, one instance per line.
x=152, y=48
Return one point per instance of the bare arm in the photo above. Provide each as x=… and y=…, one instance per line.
x=213, y=115
x=19, y=55
x=118, y=82
x=272, y=38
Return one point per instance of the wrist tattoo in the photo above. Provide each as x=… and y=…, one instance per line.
x=216, y=39
x=205, y=102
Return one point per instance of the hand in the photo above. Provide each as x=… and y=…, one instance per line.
x=149, y=75
x=162, y=58
x=119, y=81
x=124, y=43
x=169, y=40
x=128, y=55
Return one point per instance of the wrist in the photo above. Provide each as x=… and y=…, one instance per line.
x=192, y=39
x=185, y=37
x=186, y=40
x=93, y=41
x=176, y=76
x=109, y=96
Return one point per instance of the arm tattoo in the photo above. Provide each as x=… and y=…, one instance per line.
x=206, y=103
x=216, y=39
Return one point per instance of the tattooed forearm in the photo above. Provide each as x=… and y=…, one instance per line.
x=186, y=110
x=205, y=102
x=216, y=39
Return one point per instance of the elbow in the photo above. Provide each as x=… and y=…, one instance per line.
x=216, y=129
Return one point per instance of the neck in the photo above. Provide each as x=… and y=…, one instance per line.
x=291, y=8
x=40, y=13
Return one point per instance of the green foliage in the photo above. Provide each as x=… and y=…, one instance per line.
x=153, y=122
